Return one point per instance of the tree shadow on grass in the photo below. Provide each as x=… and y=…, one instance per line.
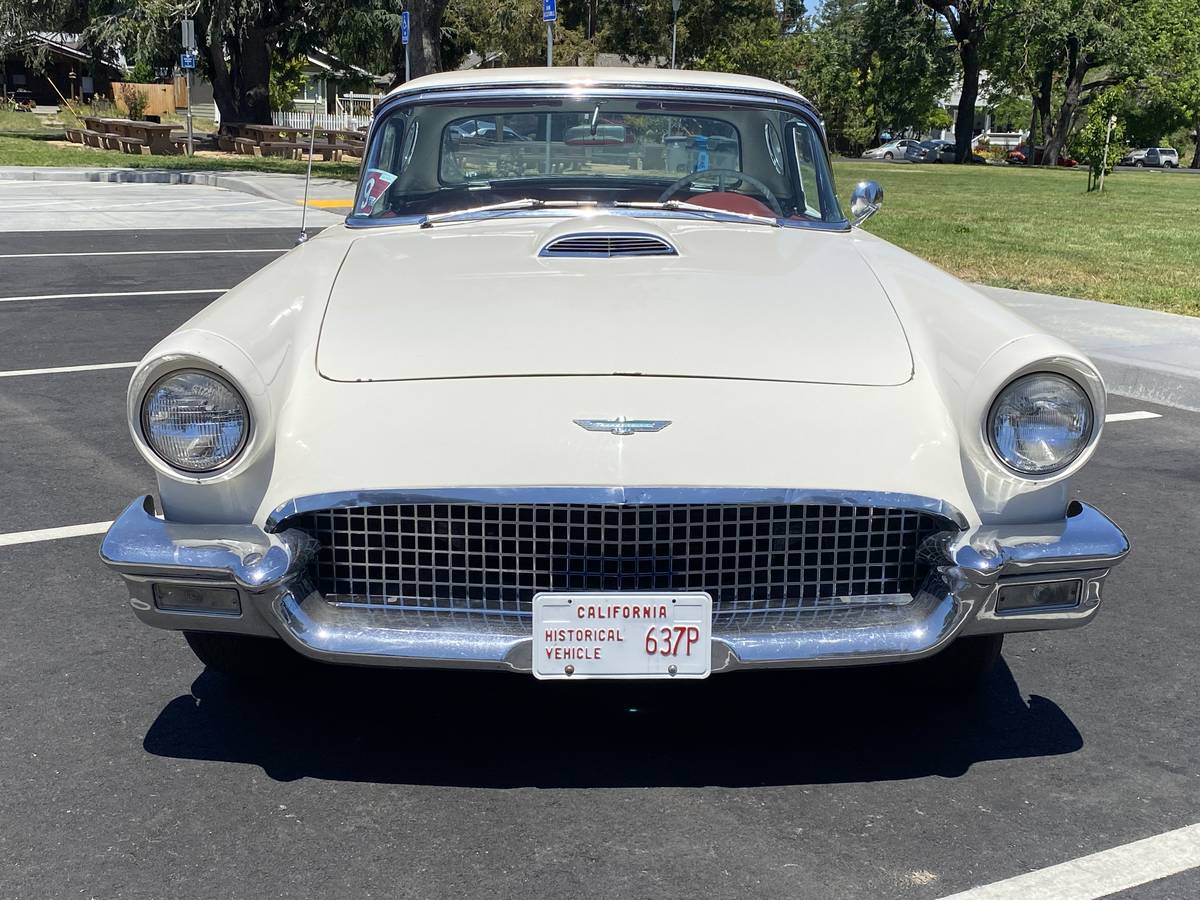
x=503, y=731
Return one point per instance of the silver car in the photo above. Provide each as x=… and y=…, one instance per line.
x=891, y=150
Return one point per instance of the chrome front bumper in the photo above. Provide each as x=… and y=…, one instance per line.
x=269, y=573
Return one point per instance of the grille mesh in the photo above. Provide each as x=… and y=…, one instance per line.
x=607, y=245
x=492, y=559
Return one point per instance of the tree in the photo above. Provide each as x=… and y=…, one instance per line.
x=1093, y=139
x=1173, y=80
x=968, y=23
x=1066, y=52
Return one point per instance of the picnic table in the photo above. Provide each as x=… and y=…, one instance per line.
x=288, y=140
x=154, y=135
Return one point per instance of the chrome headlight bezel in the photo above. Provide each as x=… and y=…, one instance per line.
x=1081, y=451
x=228, y=384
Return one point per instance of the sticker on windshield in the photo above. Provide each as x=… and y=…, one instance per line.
x=376, y=185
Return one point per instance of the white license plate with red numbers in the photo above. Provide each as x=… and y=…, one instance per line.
x=622, y=635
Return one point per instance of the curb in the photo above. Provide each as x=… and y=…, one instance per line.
x=1152, y=382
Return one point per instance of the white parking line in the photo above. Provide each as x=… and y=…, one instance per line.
x=1103, y=873
x=1131, y=416
x=94, y=367
x=131, y=253
x=52, y=534
x=110, y=294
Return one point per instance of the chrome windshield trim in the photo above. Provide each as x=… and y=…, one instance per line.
x=552, y=90
x=615, y=496
x=581, y=212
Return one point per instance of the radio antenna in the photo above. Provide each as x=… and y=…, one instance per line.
x=312, y=138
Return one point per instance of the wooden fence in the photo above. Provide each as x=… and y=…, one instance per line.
x=160, y=98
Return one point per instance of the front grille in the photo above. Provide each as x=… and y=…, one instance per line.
x=492, y=558
x=606, y=245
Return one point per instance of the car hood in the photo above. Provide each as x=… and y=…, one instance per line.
x=478, y=299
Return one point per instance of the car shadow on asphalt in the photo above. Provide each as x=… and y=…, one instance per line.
x=505, y=731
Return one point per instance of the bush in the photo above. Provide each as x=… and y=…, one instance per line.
x=1087, y=145
x=135, y=101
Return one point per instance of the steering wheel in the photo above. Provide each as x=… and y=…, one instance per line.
x=735, y=177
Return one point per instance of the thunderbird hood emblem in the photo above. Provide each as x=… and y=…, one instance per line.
x=622, y=425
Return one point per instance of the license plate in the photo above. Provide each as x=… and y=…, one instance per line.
x=622, y=635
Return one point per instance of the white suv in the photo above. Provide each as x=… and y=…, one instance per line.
x=1164, y=157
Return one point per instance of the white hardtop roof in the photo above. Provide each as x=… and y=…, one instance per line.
x=592, y=76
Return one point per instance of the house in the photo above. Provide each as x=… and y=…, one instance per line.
x=327, y=78
x=67, y=69
x=983, y=130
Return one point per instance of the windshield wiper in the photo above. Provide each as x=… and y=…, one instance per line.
x=682, y=206
x=500, y=209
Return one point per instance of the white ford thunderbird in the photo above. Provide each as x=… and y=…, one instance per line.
x=598, y=380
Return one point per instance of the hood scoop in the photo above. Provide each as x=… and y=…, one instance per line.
x=603, y=245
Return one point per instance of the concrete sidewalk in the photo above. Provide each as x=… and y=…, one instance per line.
x=1141, y=353
x=331, y=194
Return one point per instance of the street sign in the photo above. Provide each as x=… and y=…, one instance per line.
x=188, y=34
x=404, y=28
x=187, y=60
x=549, y=10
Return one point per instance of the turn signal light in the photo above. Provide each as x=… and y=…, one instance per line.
x=189, y=598
x=1032, y=596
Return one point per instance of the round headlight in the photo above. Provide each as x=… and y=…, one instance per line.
x=195, y=421
x=1040, y=423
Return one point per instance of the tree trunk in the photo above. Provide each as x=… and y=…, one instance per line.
x=254, y=76
x=1196, y=132
x=218, y=72
x=1072, y=94
x=964, y=119
x=1041, y=104
x=424, y=39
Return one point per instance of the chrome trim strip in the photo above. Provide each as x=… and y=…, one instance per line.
x=619, y=496
x=140, y=543
x=715, y=215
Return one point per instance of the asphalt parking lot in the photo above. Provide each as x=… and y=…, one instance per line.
x=128, y=771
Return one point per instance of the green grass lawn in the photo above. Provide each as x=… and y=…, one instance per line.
x=17, y=151
x=1137, y=244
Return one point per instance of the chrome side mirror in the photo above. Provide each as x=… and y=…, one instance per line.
x=865, y=201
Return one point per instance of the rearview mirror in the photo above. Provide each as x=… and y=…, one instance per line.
x=865, y=201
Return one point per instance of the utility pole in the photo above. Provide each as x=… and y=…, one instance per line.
x=675, y=4
x=1112, y=123
x=187, y=62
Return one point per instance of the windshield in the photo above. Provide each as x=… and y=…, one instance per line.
x=443, y=156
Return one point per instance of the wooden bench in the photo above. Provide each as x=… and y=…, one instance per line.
x=74, y=135
x=110, y=141
x=133, y=145
x=245, y=146
x=92, y=138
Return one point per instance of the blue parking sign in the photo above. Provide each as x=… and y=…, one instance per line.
x=404, y=27
x=549, y=10
x=187, y=60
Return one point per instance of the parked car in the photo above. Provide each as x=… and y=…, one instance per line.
x=1158, y=157
x=589, y=420
x=931, y=151
x=891, y=150
x=937, y=151
x=1019, y=156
